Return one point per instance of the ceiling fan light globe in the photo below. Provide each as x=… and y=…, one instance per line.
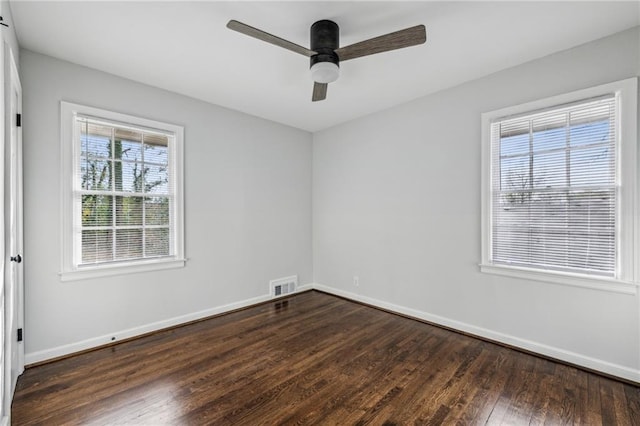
x=325, y=72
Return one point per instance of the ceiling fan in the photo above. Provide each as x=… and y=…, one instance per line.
x=325, y=52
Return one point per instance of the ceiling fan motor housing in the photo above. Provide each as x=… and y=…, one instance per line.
x=325, y=39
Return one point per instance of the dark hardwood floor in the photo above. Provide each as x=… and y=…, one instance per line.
x=316, y=359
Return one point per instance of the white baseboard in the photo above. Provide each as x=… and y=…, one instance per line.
x=34, y=357
x=550, y=351
x=540, y=348
x=305, y=287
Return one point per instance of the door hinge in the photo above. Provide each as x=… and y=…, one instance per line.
x=18, y=120
x=19, y=335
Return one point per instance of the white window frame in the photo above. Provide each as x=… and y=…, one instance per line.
x=70, y=156
x=628, y=209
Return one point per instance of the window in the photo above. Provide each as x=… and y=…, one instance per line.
x=559, y=184
x=122, y=185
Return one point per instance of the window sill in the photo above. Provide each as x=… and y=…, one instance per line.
x=563, y=278
x=121, y=269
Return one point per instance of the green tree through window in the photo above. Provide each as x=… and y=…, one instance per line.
x=125, y=193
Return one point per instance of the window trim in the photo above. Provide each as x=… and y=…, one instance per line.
x=70, y=155
x=628, y=208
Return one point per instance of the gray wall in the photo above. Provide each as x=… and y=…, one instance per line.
x=396, y=201
x=247, y=207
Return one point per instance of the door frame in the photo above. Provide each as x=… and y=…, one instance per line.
x=5, y=400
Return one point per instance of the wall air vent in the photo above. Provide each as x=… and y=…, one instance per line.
x=282, y=286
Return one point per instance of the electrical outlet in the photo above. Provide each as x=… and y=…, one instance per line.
x=356, y=280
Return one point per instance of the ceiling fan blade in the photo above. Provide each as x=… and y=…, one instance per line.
x=269, y=38
x=319, y=91
x=392, y=41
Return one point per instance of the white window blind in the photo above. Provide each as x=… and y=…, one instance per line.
x=554, y=188
x=123, y=192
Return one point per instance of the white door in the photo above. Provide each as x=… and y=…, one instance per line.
x=14, y=292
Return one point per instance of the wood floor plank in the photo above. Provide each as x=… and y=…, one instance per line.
x=428, y=375
x=621, y=409
x=489, y=386
x=518, y=409
x=442, y=401
x=315, y=359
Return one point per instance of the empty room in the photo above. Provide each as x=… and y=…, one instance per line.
x=336, y=213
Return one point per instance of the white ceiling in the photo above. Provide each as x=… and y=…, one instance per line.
x=185, y=47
